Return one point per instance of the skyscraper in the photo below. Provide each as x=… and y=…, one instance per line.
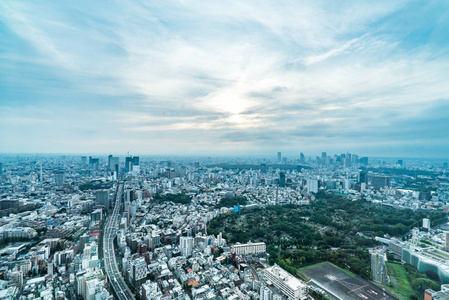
x=282, y=179
x=113, y=163
x=279, y=157
x=130, y=162
x=302, y=158
x=363, y=177
x=1, y=169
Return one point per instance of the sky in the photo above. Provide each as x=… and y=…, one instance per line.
x=225, y=77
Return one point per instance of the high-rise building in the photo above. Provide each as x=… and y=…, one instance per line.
x=363, y=177
x=426, y=224
x=378, y=181
x=113, y=163
x=290, y=286
x=138, y=271
x=83, y=160
x=59, y=177
x=302, y=158
x=102, y=198
x=130, y=162
x=186, y=244
x=279, y=157
x=263, y=168
x=323, y=157
x=400, y=162
x=312, y=185
x=282, y=179
x=1, y=170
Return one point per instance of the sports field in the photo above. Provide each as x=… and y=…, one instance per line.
x=342, y=284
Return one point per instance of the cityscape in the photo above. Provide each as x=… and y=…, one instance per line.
x=224, y=150
x=136, y=227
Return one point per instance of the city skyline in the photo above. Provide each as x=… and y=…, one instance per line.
x=225, y=79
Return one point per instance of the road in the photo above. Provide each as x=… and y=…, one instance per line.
x=115, y=278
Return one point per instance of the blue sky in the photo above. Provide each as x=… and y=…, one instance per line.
x=225, y=77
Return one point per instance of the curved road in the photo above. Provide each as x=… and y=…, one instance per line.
x=115, y=278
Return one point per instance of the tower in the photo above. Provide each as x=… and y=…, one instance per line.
x=279, y=157
x=282, y=179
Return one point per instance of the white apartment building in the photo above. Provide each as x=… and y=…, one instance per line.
x=250, y=248
x=289, y=285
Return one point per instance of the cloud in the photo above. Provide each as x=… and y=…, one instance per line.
x=223, y=76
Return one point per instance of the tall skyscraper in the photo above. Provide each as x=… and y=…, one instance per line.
x=1, y=169
x=324, y=158
x=302, y=158
x=363, y=177
x=113, y=163
x=131, y=162
x=279, y=157
x=282, y=179
x=263, y=168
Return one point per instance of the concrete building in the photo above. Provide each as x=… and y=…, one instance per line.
x=250, y=248
x=379, y=182
x=102, y=198
x=290, y=286
x=186, y=244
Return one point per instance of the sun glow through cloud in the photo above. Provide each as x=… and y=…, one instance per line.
x=232, y=76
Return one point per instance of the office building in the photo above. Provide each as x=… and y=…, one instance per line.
x=138, y=271
x=59, y=177
x=302, y=158
x=290, y=286
x=323, y=157
x=263, y=168
x=363, y=177
x=1, y=170
x=186, y=244
x=426, y=224
x=131, y=162
x=378, y=181
x=312, y=185
x=250, y=248
x=102, y=198
x=279, y=157
x=282, y=179
x=113, y=163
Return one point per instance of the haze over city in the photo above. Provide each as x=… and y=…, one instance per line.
x=225, y=78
